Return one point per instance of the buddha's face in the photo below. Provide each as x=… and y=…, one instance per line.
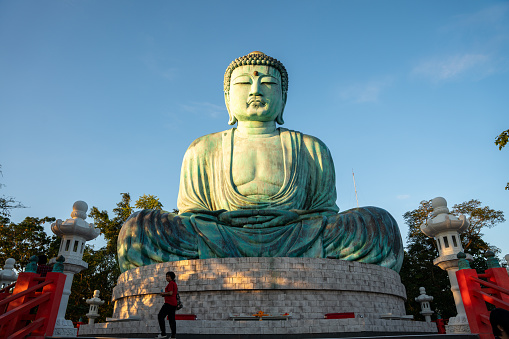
x=255, y=93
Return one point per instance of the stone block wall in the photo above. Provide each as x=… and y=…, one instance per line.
x=308, y=288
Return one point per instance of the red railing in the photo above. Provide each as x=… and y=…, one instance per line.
x=32, y=307
x=476, y=292
x=4, y=293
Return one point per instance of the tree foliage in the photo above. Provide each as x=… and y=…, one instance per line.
x=501, y=141
x=24, y=239
x=21, y=241
x=149, y=202
x=418, y=269
x=6, y=205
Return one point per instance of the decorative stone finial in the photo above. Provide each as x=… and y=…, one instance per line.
x=7, y=275
x=442, y=220
x=256, y=58
x=9, y=264
x=439, y=206
x=491, y=260
x=79, y=210
x=77, y=226
x=59, y=265
x=463, y=263
x=32, y=265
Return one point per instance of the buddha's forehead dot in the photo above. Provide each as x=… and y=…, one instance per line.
x=256, y=70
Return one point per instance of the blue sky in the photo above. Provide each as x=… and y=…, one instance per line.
x=103, y=97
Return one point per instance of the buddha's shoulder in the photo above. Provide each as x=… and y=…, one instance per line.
x=310, y=141
x=207, y=142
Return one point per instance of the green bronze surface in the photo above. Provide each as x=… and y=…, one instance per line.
x=259, y=191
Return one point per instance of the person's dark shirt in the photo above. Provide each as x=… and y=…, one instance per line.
x=43, y=269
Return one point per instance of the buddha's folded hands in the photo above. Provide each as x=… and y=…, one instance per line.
x=255, y=218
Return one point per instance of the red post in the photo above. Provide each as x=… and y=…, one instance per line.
x=32, y=291
x=475, y=307
x=24, y=282
x=49, y=310
x=78, y=324
x=440, y=326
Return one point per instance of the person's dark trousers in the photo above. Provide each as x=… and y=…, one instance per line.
x=167, y=310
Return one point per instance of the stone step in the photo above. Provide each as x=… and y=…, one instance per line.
x=290, y=336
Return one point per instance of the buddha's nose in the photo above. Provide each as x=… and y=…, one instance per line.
x=255, y=88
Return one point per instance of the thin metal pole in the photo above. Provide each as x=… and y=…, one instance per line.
x=355, y=188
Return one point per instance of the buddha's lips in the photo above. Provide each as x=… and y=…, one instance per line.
x=256, y=100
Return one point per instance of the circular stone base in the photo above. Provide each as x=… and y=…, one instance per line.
x=306, y=288
x=217, y=290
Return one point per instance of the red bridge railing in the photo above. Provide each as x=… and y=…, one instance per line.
x=477, y=290
x=31, y=310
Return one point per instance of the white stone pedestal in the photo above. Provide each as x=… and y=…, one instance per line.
x=64, y=328
x=307, y=288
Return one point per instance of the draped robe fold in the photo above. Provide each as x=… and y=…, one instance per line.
x=366, y=234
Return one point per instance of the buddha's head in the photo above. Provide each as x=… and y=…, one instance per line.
x=255, y=88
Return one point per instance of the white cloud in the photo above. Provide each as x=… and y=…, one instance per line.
x=205, y=108
x=448, y=68
x=483, y=36
x=366, y=92
x=403, y=196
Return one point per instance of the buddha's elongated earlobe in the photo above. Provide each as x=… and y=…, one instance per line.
x=233, y=119
x=279, y=118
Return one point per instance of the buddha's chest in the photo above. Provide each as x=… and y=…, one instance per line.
x=258, y=166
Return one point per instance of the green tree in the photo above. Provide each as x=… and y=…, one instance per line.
x=480, y=218
x=501, y=141
x=21, y=241
x=6, y=205
x=418, y=269
x=149, y=202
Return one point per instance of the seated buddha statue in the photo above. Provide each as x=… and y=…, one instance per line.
x=258, y=191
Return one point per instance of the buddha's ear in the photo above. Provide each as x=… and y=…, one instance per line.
x=233, y=119
x=279, y=118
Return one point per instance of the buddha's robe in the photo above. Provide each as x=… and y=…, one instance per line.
x=368, y=234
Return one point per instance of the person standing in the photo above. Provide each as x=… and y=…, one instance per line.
x=499, y=319
x=169, y=307
x=42, y=265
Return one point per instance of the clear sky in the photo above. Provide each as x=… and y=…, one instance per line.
x=103, y=97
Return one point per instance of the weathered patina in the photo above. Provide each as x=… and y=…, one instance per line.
x=259, y=191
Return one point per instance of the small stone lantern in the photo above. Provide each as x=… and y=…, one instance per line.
x=75, y=232
x=424, y=300
x=445, y=228
x=94, y=303
x=7, y=275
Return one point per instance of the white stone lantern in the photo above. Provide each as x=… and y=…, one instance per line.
x=425, y=300
x=7, y=275
x=75, y=232
x=446, y=229
x=94, y=303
